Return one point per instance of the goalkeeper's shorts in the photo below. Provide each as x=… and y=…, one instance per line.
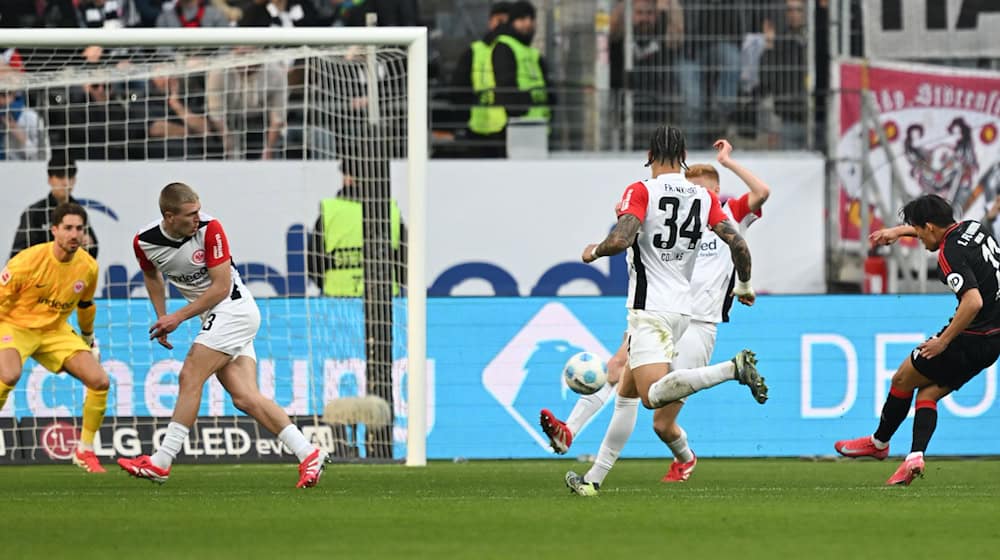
x=50, y=347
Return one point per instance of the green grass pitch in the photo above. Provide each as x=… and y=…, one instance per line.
x=745, y=509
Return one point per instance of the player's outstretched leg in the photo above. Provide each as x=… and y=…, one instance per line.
x=560, y=437
x=581, y=487
x=239, y=378
x=143, y=467
x=746, y=374
x=864, y=446
x=912, y=467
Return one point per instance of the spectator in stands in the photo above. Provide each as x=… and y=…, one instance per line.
x=141, y=13
x=60, y=13
x=192, y=13
x=175, y=123
x=96, y=123
x=248, y=104
x=19, y=13
x=472, y=96
x=33, y=227
x=104, y=14
x=783, y=75
x=284, y=13
x=657, y=38
x=519, y=80
x=389, y=13
x=714, y=32
x=22, y=134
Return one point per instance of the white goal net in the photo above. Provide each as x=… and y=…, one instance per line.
x=287, y=136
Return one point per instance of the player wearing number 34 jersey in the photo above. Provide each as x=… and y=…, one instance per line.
x=190, y=249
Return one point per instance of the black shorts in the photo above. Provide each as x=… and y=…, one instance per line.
x=962, y=360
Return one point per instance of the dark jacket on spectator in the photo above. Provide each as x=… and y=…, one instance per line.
x=33, y=228
x=516, y=102
x=783, y=75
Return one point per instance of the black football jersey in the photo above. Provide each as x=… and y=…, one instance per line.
x=969, y=258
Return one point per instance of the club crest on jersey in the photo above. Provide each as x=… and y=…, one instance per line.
x=78, y=286
x=198, y=257
x=4, y=276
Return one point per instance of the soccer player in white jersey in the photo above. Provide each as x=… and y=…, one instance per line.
x=710, y=286
x=661, y=222
x=192, y=251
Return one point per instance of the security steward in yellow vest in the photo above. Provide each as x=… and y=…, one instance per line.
x=468, y=87
x=336, y=247
x=519, y=70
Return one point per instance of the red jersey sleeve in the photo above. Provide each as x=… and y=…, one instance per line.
x=715, y=213
x=634, y=201
x=140, y=255
x=740, y=207
x=216, y=245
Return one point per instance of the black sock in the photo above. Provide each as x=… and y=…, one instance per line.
x=924, y=422
x=894, y=411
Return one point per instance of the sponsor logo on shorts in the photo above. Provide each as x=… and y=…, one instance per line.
x=7, y=338
x=198, y=257
x=78, y=286
x=59, y=440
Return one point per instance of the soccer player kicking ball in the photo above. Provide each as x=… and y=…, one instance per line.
x=711, y=283
x=661, y=221
x=39, y=288
x=969, y=261
x=191, y=250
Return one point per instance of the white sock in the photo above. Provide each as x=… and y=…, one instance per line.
x=293, y=439
x=171, y=445
x=619, y=430
x=678, y=384
x=587, y=406
x=680, y=448
x=880, y=444
x=914, y=455
x=82, y=446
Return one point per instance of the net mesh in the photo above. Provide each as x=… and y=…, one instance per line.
x=315, y=234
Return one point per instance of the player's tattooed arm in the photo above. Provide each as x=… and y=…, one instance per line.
x=728, y=233
x=620, y=238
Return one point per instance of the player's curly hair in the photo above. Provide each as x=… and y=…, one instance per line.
x=928, y=209
x=667, y=146
x=67, y=209
x=174, y=195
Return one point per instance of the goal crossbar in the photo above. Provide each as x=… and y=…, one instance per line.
x=414, y=40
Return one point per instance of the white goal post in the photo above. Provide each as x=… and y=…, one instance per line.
x=414, y=41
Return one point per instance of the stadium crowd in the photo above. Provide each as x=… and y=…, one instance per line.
x=716, y=67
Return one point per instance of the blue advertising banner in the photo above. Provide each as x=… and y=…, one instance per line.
x=495, y=362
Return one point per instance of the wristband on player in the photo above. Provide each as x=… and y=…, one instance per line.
x=88, y=338
x=743, y=288
x=593, y=253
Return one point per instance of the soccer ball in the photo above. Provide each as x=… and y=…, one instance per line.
x=585, y=373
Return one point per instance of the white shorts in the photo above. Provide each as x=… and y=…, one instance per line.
x=230, y=327
x=652, y=336
x=695, y=348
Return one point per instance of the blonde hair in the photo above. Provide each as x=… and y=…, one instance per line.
x=174, y=195
x=702, y=170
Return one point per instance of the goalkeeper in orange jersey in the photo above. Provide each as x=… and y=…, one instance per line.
x=39, y=288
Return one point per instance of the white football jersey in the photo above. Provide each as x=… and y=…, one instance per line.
x=674, y=213
x=714, y=275
x=185, y=262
